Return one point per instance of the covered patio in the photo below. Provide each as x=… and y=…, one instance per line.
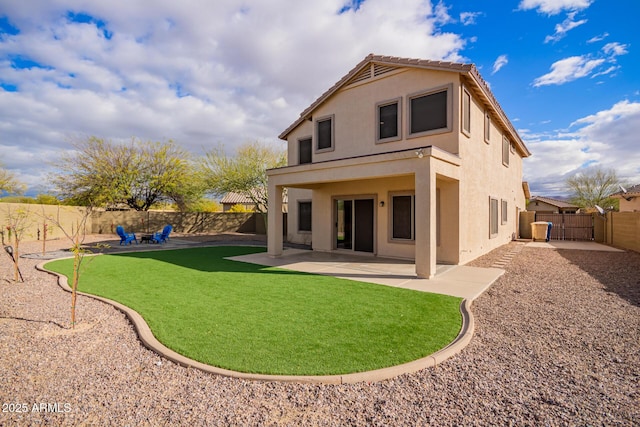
x=432, y=174
x=455, y=280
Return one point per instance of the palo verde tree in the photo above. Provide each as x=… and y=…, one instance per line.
x=593, y=187
x=9, y=183
x=245, y=173
x=139, y=174
x=76, y=235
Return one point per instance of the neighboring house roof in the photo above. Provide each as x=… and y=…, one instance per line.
x=241, y=199
x=631, y=192
x=386, y=63
x=554, y=202
x=236, y=198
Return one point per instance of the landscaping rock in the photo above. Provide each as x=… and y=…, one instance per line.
x=557, y=342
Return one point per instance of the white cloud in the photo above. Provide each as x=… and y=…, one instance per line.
x=563, y=28
x=598, y=38
x=567, y=70
x=441, y=14
x=606, y=139
x=469, y=18
x=575, y=67
x=500, y=62
x=198, y=72
x=554, y=7
x=609, y=70
x=615, y=49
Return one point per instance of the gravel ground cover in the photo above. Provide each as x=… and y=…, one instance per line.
x=557, y=342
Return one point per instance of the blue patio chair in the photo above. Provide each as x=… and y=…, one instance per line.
x=164, y=236
x=125, y=238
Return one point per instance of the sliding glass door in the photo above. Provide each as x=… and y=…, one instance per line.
x=354, y=224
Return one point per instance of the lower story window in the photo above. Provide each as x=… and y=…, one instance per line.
x=493, y=217
x=304, y=216
x=403, y=217
x=505, y=211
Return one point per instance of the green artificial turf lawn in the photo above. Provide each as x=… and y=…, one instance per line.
x=251, y=318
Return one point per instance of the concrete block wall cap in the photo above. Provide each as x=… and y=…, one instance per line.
x=149, y=340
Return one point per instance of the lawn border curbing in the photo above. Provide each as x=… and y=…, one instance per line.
x=149, y=340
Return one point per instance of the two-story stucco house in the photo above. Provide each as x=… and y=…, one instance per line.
x=401, y=158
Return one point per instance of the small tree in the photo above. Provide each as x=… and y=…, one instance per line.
x=246, y=173
x=76, y=236
x=19, y=220
x=9, y=183
x=205, y=205
x=593, y=187
x=239, y=208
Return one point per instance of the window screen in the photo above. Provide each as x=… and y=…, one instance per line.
x=466, y=112
x=325, y=134
x=402, y=227
x=493, y=217
x=388, y=126
x=304, y=151
x=429, y=112
x=304, y=216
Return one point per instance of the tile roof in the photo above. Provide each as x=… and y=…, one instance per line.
x=553, y=202
x=473, y=77
x=630, y=190
x=236, y=198
x=240, y=198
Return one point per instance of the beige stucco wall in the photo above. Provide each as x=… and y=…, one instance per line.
x=623, y=230
x=526, y=218
x=464, y=193
x=484, y=176
x=632, y=205
x=354, y=111
x=182, y=222
x=32, y=217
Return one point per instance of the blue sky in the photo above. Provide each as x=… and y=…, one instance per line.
x=206, y=73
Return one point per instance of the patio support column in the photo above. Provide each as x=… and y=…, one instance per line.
x=425, y=218
x=274, y=220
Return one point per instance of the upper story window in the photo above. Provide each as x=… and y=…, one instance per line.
x=429, y=112
x=304, y=151
x=506, y=148
x=388, y=119
x=487, y=127
x=466, y=112
x=324, y=133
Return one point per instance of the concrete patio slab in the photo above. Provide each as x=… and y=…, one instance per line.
x=573, y=244
x=455, y=280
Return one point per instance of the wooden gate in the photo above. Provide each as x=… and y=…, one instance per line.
x=569, y=226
